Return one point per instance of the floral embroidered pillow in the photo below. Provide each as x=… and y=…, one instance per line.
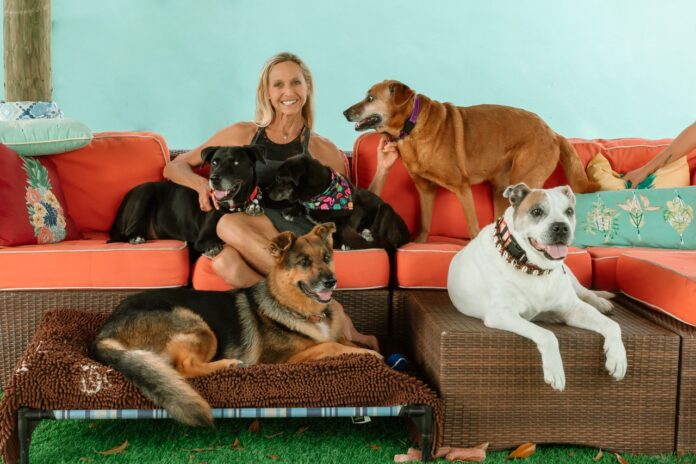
x=32, y=210
x=655, y=218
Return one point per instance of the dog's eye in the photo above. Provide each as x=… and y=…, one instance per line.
x=214, y=163
x=536, y=212
x=236, y=163
x=327, y=258
x=369, y=98
x=570, y=211
x=306, y=262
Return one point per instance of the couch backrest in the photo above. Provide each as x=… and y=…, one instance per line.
x=95, y=178
x=448, y=217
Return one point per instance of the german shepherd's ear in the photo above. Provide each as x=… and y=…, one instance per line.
x=401, y=93
x=257, y=153
x=208, y=153
x=516, y=193
x=325, y=231
x=281, y=243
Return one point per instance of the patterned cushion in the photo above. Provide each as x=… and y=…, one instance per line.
x=656, y=218
x=33, y=208
x=10, y=111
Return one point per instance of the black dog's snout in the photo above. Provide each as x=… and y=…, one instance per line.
x=329, y=282
x=214, y=178
x=560, y=229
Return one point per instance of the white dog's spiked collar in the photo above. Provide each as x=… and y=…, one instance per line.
x=513, y=253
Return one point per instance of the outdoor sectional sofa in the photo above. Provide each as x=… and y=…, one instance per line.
x=490, y=381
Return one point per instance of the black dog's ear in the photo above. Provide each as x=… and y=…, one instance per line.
x=401, y=93
x=295, y=173
x=208, y=153
x=280, y=244
x=516, y=193
x=258, y=153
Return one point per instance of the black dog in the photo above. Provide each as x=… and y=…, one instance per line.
x=363, y=220
x=165, y=210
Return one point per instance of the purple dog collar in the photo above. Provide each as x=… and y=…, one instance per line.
x=411, y=122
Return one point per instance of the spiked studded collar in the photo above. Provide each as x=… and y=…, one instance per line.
x=337, y=196
x=410, y=122
x=232, y=207
x=513, y=253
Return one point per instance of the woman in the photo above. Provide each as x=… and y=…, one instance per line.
x=283, y=123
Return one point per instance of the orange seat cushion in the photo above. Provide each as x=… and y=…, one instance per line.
x=355, y=270
x=95, y=178
x=425, y=265
x=93, y=263
x=665, y=282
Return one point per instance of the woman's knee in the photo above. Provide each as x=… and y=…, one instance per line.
x=232, y=226
x=230, y=266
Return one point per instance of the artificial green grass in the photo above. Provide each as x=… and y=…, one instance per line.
x=334, y=440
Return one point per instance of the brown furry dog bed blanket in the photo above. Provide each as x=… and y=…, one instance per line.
x=57, y=373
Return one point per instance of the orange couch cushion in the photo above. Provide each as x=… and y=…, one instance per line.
x=96, y=178
x=666, y=282
x=93, y=263
x=425, y=265
x=355, y=270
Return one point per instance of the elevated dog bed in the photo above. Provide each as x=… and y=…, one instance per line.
x=56, y=379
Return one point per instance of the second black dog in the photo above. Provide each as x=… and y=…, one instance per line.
x=363, y=219
x=165, y=210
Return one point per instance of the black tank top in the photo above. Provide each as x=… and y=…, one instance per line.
x=276, y=153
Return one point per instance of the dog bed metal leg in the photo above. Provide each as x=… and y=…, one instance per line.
x=422, y=416
x=27, y=420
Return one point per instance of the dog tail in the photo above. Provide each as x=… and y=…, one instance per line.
x=572, y=167
x=157, y=380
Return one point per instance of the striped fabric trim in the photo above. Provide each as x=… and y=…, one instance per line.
x=232, y=413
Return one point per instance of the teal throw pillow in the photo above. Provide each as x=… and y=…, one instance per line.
x=34, y=137
x=658, y=218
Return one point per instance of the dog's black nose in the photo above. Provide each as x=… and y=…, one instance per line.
x=560, y=228
x=346, y=113
x=214, y=179
x=329, y=282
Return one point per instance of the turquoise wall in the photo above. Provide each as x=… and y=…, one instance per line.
x=184, y=68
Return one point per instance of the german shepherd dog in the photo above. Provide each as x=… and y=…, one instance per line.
x=455, y=147
x=165, y=210
x=363, y=220
x=157, y=339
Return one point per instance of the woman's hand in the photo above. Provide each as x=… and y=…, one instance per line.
x=387, y=154
x=635, y=177
x=205, y=198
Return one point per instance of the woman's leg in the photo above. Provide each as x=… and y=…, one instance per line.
x=230, y=265
x=249, y=237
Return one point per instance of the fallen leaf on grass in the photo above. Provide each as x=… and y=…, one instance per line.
x=255, y=426
x=523, y=451
x=620, y=458
x=466, y=454
x=375, y=447
x=302, y=430
x=412, y=455
x=483, y=446
x=119, y=449
x=273, y=456
x=273, y=436
x=599, y=455
x=236, y=442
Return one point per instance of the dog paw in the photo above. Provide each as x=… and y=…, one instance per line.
x=603, y=305
x=136, y=240
x=345, y=247
x=236, y=364
x=367, y=235
x=554, y=375
x=288, y=217
x=254, y=210
x=213, y=251
x=617, y=364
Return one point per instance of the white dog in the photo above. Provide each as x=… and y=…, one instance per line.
x=513, y=273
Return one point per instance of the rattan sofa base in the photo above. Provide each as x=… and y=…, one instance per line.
x=492, y=383
x=686, y=421
x=21, y=311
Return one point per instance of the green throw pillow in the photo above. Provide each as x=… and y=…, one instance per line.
x=34, y=137
x=658, y=218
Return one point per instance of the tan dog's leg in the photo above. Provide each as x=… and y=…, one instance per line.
x=426, y=197
x=329, y=349
x=466, y=198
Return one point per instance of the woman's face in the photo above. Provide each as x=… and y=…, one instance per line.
x=287, y=88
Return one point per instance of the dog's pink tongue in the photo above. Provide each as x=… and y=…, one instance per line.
x=220, y=194
x=324, y=296
x=556, y=251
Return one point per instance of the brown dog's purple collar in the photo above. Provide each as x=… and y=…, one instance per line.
x=410, y=122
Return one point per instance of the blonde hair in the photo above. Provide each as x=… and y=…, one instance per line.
x=265, y=113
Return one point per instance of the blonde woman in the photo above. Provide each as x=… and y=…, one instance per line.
x=283, y=126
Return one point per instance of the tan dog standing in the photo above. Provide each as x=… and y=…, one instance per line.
x=455, y=147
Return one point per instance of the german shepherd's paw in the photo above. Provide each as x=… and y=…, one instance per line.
x=235, y=364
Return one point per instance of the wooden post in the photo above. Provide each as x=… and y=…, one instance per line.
x=27, y=50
